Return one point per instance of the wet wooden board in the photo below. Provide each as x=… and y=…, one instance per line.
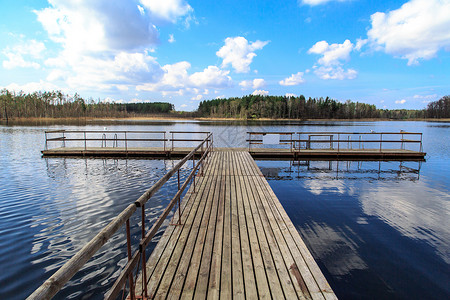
x=235, y=241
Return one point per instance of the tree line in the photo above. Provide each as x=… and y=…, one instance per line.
x=55, y=104
x=283, y=107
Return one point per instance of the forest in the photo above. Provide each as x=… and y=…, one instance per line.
x=282, y=107
x=55, y=104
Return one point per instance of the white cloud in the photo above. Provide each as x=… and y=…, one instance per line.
x=260, y=92
x=329, y=66
x=167, y=10
x=318, y=2
x=197, y=98
x=238, y=53
x=417, y=30
x=256, y=83
x=403, y=101
x=294, y=79
x=176, y=78
x=428, y=97
x=31, y=87
x=17, y=55
x=290, y=95
x=171, y=38
x=183, y=105
x=334, y=72
x=104, y=54
x=332, y=54
x=211, y=77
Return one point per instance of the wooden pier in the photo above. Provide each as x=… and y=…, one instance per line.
x=235, y=241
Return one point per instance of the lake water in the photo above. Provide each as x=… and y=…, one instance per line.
x=378, y=230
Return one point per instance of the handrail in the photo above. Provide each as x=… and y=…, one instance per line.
x=116, y=139
x=52, y=285
x=332, y=140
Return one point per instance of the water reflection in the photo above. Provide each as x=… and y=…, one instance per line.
x=326, y=170
x=94, y=192
x=378, y=222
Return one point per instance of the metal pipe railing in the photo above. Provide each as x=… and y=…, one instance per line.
x=52, y=285
x=382, y=139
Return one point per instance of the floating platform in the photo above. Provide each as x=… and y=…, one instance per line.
x=260, y=153
x=235, y=241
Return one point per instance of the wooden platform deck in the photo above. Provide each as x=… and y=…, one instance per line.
x=235, y=241
x=155, y=152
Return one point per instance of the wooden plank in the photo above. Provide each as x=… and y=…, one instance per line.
x=269, y=265
x=247, y=262
x=237, y=273
x=204, y=271
x=320, y=285
x=199, y=255
x=175, y=241
x=259, y=268
x=237, y=241
x=226, y=275
x=184, y=241
x=273, y=242
x=216, y=261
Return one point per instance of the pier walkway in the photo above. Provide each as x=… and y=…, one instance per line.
x=235, y=241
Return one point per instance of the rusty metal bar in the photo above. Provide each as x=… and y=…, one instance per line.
x=144, y=268
x=130, y=276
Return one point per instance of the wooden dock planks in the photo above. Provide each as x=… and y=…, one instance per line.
x=236, y=241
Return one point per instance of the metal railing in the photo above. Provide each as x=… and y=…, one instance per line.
x=338, y=141
x=114, y=138
x=50, y=287
x=258, y=138
x=358, y=140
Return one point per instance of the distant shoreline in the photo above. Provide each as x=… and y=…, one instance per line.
x=71, y=120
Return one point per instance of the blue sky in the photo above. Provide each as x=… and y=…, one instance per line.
x=394, y=54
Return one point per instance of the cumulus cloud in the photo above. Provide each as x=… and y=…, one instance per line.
x=256, y=83
x=417, y=30
x=239, y=53
x=177, y=78
x=171, y=38
x=21, y=54
x=332, y=54
x=106, y=44
x=329, y=65
x=333, y=72
x=31, y=87
x=260, y=92
x=167, y=10
x=290, y=95
x=403, y=101
x=294, y=79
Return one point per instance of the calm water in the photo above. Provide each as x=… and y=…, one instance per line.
x=377, y=230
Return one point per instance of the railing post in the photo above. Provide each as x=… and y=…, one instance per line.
x=339, y=141
x=144, y=267
x=421, y=149
x=381, y=141
x=193, y=166
x=126, y=142
x=64, y=140
x=249, y=140
x=85, y=146
x=46, y=146
x=172, y=141
x=130, y=276
x=179, y=199
x=164, y=141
